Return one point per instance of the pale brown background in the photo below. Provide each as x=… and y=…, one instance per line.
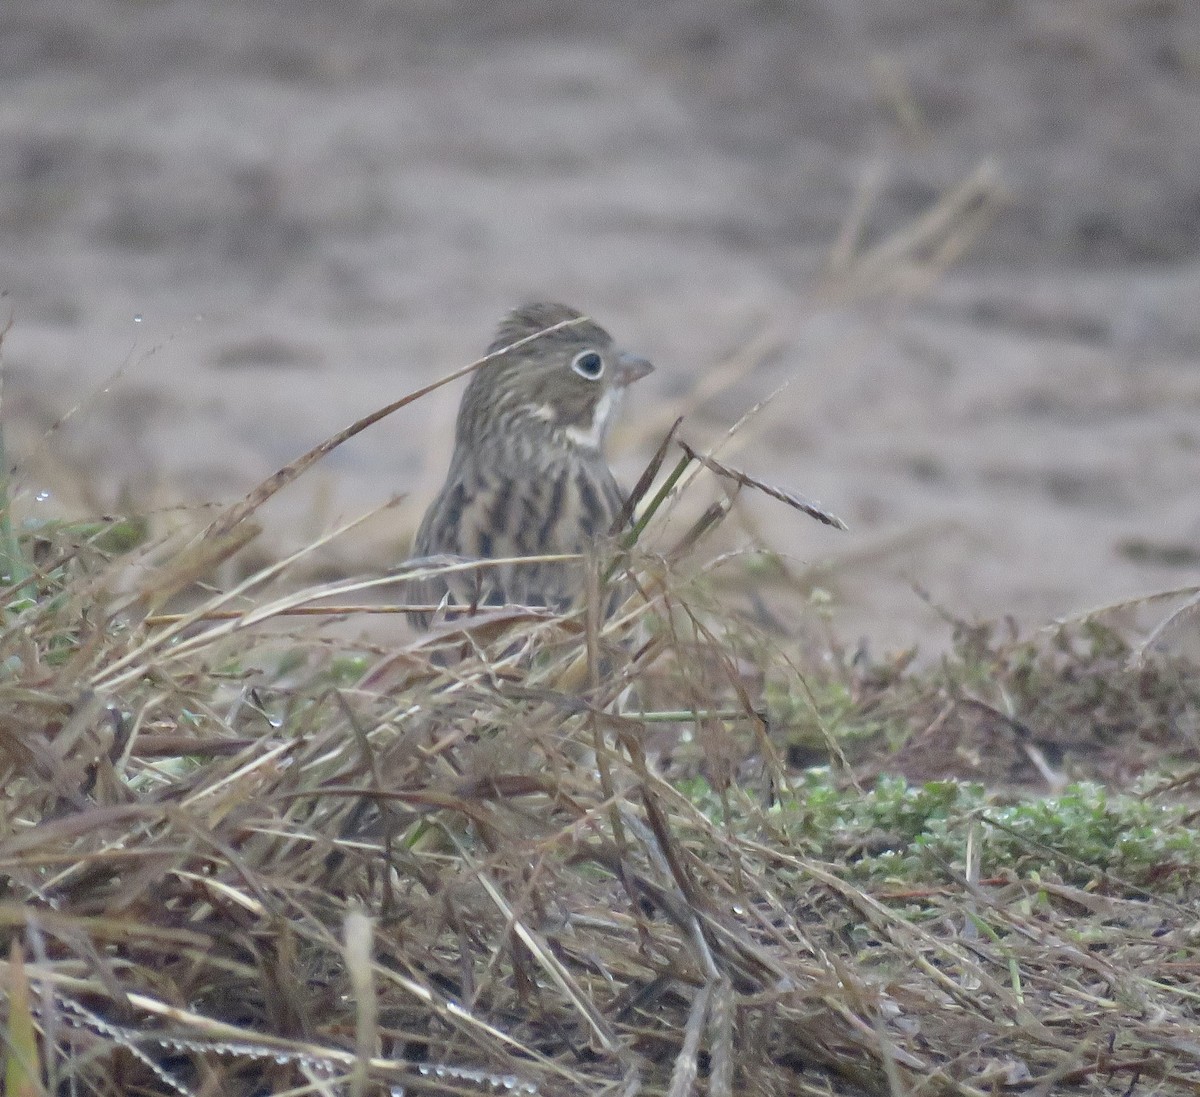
x=315, y=206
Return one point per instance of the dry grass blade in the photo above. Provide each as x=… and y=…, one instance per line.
x=638, y=493
x=22, y=1071
x=712, y=517
x=742, y=479
x=195, y=563
x=239, y=512
x=165, y=643
x=748, y=350
x=922, y=252
x=358, y=940
x=721, y=1032
x=554, y=968
x=683, y=1077
x=1176, y=619
x=12, y=561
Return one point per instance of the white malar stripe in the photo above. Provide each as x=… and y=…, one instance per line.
x=593, y=436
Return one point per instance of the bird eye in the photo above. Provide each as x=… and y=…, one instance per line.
x=588, y=364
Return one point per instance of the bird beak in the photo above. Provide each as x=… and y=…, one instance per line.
x=631, y=368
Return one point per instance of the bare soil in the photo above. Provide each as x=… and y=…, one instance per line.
x=272, y=218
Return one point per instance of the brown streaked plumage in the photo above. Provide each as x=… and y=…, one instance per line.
x=528, y=476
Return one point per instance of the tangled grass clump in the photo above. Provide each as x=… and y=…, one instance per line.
x=244, y=855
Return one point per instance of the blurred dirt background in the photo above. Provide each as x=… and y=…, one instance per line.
x=229, y=229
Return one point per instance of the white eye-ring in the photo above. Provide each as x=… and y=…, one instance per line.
x=589, y=365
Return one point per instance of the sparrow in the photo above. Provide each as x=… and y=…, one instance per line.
x=528, y=476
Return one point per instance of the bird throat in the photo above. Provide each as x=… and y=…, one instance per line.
x=591, y=435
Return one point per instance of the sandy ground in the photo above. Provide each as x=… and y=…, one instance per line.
x=230, y=229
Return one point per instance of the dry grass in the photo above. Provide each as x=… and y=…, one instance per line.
x=244, y=857
x=242, y=854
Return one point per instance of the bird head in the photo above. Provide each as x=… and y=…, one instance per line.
x=551, y=370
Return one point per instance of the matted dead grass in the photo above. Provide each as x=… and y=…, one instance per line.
x=540, y=854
